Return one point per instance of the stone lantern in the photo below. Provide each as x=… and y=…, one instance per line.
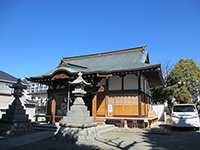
x=15, y=120
x=79, y=92
x=18, y=89
x=78, y=126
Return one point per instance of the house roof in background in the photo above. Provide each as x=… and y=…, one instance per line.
x=5, y=77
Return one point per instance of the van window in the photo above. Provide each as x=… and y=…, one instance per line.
x=184, y=109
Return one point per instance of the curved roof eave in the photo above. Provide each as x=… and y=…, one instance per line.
x=53, y=71
x=75, y=71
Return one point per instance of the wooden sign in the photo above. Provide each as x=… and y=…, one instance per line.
x=60, y=76
x=110, y=108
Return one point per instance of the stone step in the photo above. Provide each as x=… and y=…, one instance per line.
x=46, y=127
x=100, y=121
x=102, y=129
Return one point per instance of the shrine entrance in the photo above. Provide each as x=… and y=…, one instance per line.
x=88, y=103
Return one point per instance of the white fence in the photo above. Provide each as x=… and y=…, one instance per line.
x=159, y=109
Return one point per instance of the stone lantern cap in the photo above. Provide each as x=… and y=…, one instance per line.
x=18, y=89
x=18, y=85
x=79, y=81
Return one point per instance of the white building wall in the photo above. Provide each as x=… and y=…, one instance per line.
x=30, y=111
x=5, y=101
x=130, y=82
x=115, y=83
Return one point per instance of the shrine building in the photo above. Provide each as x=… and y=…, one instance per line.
x=121, y=84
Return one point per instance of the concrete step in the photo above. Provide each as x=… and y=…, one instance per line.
x=100, y=121
x=102, y=129
x=46, y=127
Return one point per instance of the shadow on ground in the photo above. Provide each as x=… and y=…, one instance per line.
x=49, y=144
x=180, y=138
x=115, y=144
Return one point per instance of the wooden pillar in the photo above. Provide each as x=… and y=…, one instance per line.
x=122, y=82
x=53, y=110
x=106, y=106
x=107, y=97
x=145, y=104
x=94, y=107
x=139, y=94
x=94, y=100
x=68, y=98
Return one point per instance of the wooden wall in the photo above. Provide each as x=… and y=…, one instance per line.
x=144, y=104
x=123, y=104
x=101, y=105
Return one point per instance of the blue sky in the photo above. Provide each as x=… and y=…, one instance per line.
x=36, y=34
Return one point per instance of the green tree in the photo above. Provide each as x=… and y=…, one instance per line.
x=164, y=93
x=181, y=83
x=184, y=79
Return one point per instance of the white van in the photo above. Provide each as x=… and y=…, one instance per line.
x=185, y=115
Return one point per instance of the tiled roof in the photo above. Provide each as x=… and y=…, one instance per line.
x=130, y=59
x=133, y=59
x=6, y=77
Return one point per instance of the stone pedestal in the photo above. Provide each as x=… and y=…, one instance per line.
x=78, y=116
x=15, y=121
x=78, y=135
x=78, y=126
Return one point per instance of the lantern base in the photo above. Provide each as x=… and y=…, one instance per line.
x=15, y=113
x=15, y=121
x=8, y=128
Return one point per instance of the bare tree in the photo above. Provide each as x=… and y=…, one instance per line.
x=166, y=66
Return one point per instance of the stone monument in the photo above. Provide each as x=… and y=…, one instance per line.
x=15, y=120
x=78, y=126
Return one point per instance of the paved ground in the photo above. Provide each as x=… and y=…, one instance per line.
x=121, y=139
